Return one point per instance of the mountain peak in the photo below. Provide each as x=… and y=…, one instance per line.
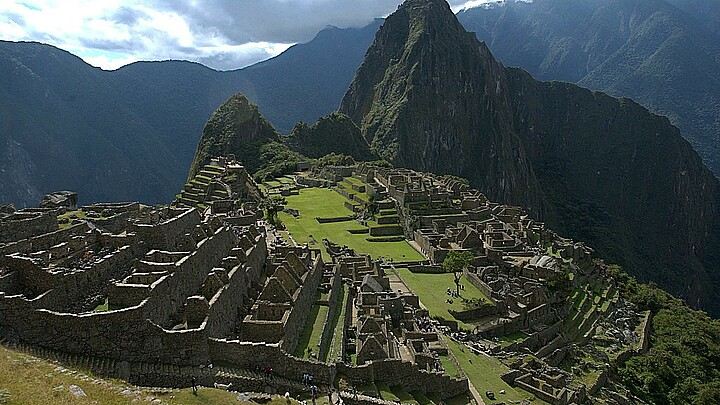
x=429, y=96
x=428, y=93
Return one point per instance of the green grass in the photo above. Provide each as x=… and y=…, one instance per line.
x=367, y=388
x=431, y=289
x=484, y=373
x=403, y=395
x=312, y=333
x=421, y=398
x=385, y=391
x=512, y=338
x=33, y=381
x=106, y=307
x=449, y=366
x=325, y=203
x=339, y=321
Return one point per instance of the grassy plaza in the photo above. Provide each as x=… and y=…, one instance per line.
x=326, y=203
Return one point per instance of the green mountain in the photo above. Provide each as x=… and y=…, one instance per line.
x=334, y=133
x=431, y=97
x=664, y=54
x=237, y=128
x=130, y=134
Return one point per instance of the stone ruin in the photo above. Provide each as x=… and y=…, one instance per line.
x=525, y=270
x=155, y=295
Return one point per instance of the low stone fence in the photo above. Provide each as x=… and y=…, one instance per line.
x=476, y=313
x=479, y=284
x=391, y=230
x=426, y=269
x=334, y=219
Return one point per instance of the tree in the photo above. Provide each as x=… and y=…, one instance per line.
x=455, y=262
x=272, y=205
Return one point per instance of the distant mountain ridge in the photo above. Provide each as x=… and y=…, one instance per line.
x=158, y=109
x=664, y=54
x=130, y=134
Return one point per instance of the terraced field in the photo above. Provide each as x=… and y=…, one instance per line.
x=325, y=203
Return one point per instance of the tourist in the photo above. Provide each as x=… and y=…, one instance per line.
x=193, y=382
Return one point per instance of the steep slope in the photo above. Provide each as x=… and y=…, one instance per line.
x=130, y=134
x=428, y=96
x=664, y=54
x=238, y=128
x=431, y=97
x=62, y=129
x=334, y=133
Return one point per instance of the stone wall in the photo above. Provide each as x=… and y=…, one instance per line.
x=386, y=230
x=131, y=333
x=249, y=355
x=480, y=285
x=334, y=303
x=44, y=241
x=426, y=268
x=23, y=225
x=168, y=235
x=476, y=313
x=397, y=372
x=303, y=305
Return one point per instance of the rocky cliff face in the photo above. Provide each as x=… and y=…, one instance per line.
x=431, y=97
x=238, y=128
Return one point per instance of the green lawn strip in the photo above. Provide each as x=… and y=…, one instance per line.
x=484, y=373
x=338, y=322
x=514, y=337
x=368, y=388
x=355, y=181
x=106, y=307
x=403, y=395
x=434, y=397
x=449, y=366
x=320, y=202
x=385, y=391
x=432, y=291
x=421, y=398
x=312, y=332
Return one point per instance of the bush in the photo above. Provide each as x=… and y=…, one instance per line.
x=4, y=396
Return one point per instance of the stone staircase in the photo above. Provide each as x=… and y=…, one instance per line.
x=204, y=188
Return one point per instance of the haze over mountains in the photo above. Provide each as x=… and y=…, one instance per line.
x=130, y=134
x=664, y=54
x=137, y=128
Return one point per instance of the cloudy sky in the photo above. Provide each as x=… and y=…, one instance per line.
x=222, y=34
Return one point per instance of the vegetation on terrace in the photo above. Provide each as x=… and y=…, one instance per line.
x=432, y=291
x=682, y=363
x=27, y=380
x=326, y=203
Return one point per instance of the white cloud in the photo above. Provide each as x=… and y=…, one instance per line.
x=223, y=34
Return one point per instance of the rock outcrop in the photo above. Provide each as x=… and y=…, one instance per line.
x=236, y=128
